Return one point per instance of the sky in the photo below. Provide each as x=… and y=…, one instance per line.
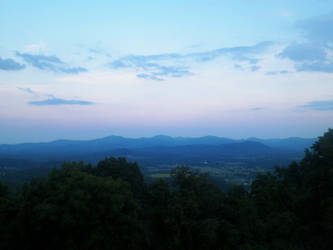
x=88, y=69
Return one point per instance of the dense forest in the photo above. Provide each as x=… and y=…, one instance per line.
x=110, y=206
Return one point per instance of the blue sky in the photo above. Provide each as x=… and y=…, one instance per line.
x=80, y=69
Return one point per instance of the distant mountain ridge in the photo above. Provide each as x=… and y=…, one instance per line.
x=291, y=143
x=154, y=151
x=117, y=142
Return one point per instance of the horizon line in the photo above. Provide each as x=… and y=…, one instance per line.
x=162, y=135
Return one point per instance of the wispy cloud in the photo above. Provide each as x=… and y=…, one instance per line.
x=98, y=51
x=255, y=68
x=58, y=101
x=240, y=53
x=273, y=73
x=318, y=29
x=73, y=70
x=157, y=67
x=151, y=67
x=315, y=53
x=29, y=91
x=316, y=67
x=256, y=108
x=149, y=76
x=51, y=100
x=239, y=67
x=283, y=72
x=51, y=63
x=10, y=64
x=300, y=52
x=95, y=51
x=319, y=105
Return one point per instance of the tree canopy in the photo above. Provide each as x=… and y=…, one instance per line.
x=110, y=206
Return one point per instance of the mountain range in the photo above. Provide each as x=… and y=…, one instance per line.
x=116, y=142
x=159, y=149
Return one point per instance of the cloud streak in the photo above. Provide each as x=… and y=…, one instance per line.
x=151, y=67
x=240, y=53
x=10, y=65
x=51, y=100
x=256, y=108
x=28, y=90
x=49, y=63
x=157, y=67
x=319, y=105
x=281, y=72
x=59, y=101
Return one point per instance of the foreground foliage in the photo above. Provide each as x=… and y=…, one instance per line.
x=111, y=207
